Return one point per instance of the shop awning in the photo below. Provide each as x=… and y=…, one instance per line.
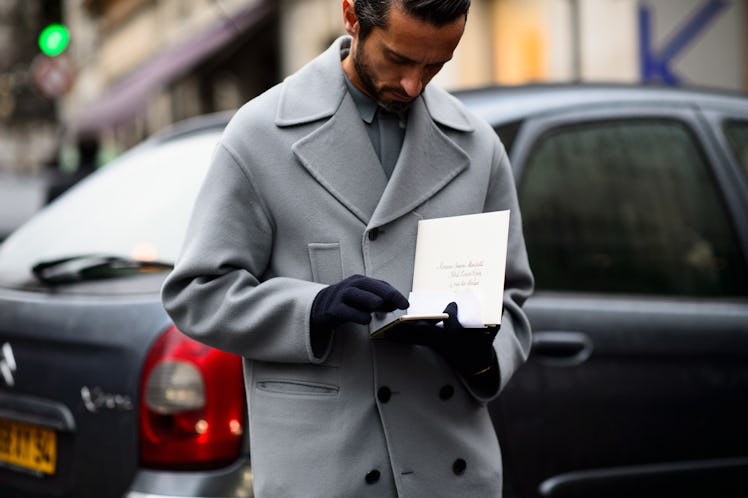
x=128, y=97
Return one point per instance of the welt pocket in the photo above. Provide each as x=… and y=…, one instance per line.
x=326, y=262
x=297, y=387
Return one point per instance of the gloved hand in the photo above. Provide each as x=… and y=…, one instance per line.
x=469, y=351
x=353, y=299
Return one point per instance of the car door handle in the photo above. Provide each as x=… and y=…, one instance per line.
x=561, y=348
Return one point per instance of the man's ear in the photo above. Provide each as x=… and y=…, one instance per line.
x=349, y=17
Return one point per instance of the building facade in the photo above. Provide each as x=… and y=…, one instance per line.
x=28, y=126
x=144, y=64
x=140, y=65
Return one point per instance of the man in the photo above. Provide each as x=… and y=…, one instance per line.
x=302, y=239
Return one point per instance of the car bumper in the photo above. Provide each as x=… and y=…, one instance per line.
x=232, y=481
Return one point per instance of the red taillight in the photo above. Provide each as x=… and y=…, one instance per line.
x=191, y=404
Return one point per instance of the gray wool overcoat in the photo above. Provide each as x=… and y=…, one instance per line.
x=296, y=199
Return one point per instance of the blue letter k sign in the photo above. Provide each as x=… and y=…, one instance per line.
x=654, y=65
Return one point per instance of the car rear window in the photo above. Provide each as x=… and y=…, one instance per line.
x=737, y=136
x=630, y=207
x=137, y=206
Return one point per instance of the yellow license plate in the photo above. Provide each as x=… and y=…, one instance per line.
x=28, y=446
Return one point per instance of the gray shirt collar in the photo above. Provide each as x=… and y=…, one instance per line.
x=367, y=108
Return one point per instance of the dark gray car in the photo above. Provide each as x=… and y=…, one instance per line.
x=100, y=395
x=21, y=196
x=634, y=203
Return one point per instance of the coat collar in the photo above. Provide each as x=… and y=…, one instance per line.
x=428, y=161
x=316, y=91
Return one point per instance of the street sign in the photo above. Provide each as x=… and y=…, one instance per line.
x=53, y=77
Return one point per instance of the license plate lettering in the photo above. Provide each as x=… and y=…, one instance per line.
x=28, y=446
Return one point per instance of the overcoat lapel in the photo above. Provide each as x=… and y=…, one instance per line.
x=428, y=161
x=340, y=156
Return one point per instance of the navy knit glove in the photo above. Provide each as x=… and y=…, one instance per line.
x=353, y=300
x=469, y=351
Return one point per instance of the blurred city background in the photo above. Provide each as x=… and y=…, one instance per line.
x=633, y=202
x=116, y=71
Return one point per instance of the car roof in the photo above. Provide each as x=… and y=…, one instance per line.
x=502, y=104
x=508, y=103
x=212, y=122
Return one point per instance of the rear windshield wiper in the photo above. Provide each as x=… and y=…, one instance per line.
x=93, y=267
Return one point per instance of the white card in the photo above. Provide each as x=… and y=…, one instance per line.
x=468, y=305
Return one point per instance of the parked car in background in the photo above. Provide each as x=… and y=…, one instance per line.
x=21, y=196
x=634, y=205
x=100, y=396
x=633, y=202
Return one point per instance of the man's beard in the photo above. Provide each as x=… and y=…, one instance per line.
x=365, y=76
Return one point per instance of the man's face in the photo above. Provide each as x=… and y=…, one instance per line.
x=394, y=64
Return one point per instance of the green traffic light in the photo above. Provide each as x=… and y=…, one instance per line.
x=54, y=39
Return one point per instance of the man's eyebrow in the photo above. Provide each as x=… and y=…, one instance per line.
x=408, y=60
x=398, y=55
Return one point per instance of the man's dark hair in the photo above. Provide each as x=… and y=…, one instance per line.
x=373, y=13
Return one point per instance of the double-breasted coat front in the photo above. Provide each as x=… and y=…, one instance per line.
x=296, y=199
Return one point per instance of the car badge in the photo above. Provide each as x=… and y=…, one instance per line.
x=7, y=364
x=96, y=399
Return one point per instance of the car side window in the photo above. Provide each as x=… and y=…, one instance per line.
x=737, y=136
x=629, y=207
x=508, y=133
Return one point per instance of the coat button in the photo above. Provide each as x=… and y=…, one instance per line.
x=459, y=467
x=446, y=392
x=372, y=477
x=384, y=394
x=373, y=234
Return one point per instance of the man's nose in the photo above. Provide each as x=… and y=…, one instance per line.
x=412, y=82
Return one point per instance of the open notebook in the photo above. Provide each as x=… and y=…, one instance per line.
x=458, y=259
